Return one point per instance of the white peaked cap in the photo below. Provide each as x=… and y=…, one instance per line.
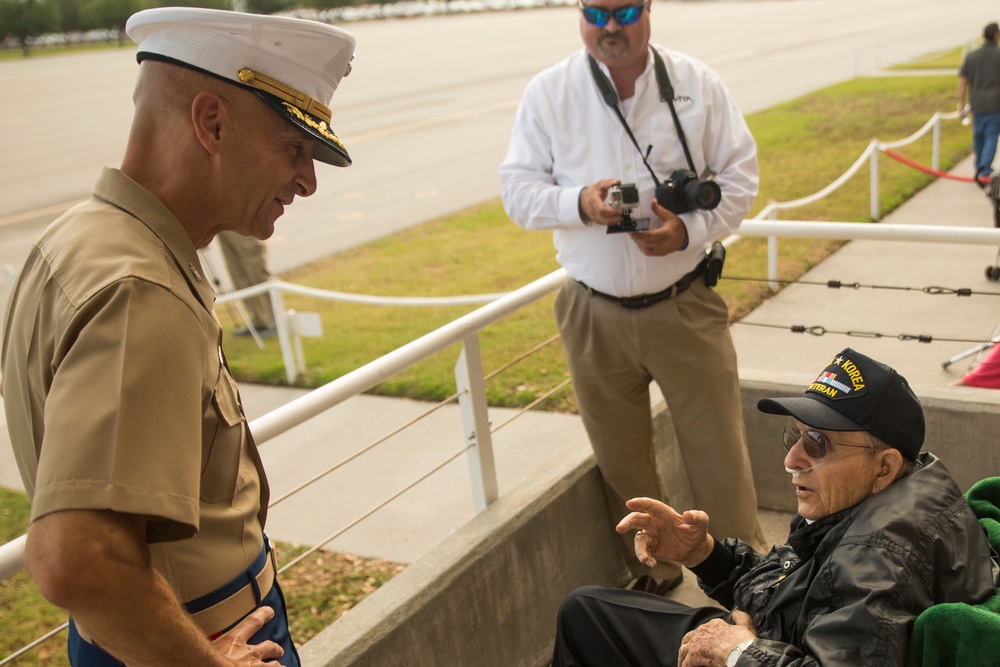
x=293, y=64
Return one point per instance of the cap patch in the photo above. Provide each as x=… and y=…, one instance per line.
x=284, y=93
x=885, y=405
x=841, y=379
x=320, y=127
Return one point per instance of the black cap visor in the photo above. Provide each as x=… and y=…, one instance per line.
x=328, y=148
x=809, y=411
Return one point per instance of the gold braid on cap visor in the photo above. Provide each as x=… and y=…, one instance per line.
x=300, y=100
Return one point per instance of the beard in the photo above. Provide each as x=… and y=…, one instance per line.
x=612, y=47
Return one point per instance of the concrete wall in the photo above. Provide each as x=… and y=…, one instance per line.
x=489, y=594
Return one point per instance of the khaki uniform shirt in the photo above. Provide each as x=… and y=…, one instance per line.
x=116, y=392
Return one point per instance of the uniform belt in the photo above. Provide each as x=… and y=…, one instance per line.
x=647, y=300
x=218, y=617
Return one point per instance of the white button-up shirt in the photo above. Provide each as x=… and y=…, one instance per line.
x=566, y=137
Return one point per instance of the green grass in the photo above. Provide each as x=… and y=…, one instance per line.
x=802, y=145
x=24, y=613
x=951, y=59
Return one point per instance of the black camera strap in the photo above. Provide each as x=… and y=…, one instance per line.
x=666, y=95
x=716, y=256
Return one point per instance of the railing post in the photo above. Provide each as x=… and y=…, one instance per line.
x=936, y=145
x=12, y=557
x=284, y=334
x=476, y=423
x=874, y=207
x=300, y=357
x=772, y=253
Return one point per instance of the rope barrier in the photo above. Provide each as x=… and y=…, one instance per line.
x=930, y=170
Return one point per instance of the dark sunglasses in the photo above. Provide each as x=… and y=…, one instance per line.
x=624, y=16
x=813, y=442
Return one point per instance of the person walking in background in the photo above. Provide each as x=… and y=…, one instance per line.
x=246, y=261
x=148, y=498
x=636, y=306
x=979, y=78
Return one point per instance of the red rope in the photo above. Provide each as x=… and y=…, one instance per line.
x=928, y=170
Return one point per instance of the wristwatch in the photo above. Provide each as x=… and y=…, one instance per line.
x=735, y=654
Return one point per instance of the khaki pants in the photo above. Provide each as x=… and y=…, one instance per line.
x=246, y=260
x=684, y=344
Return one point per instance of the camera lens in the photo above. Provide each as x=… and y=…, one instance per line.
x=704, y=194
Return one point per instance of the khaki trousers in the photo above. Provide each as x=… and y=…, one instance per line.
x=684, y=344
x=246, y=260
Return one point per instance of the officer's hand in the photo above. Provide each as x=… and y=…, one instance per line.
x=233, y=645
x=593, y=206
x=671, y=235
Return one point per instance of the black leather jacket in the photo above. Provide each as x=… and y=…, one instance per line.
x=846, y=589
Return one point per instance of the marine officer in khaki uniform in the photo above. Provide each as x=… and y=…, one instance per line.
x=148, y=496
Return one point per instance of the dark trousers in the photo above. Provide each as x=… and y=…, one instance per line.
x=985, y=128
x=601, y=627
x=85, y=654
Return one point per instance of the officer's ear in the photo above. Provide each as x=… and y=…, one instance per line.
x=210, y=117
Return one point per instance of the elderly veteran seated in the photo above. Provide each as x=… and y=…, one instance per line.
x=882, y=532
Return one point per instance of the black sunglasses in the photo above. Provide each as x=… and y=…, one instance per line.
x=815, y=443
x=624, y=16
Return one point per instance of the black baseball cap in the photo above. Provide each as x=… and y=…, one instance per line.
x=856, y=393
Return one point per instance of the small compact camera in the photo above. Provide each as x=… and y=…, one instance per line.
x=624, y=198
x=684, y=192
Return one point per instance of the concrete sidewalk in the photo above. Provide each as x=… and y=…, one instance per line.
x=889, y=312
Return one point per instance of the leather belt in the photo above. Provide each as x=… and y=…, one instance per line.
x=647, y=300
x=221, y=615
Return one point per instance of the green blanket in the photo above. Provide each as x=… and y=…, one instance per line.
x=957, y=634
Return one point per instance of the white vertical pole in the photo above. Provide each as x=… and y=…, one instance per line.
x=936, y=147
x=476, y=423
x=284, y=333
x=772, y=255
x=300, y=356
x=874, y=207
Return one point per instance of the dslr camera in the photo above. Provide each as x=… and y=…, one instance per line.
x=684, y=192
x=624, y=198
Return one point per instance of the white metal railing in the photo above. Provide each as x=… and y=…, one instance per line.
x=288, y=336
x=466, y=329
x=869, y=155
